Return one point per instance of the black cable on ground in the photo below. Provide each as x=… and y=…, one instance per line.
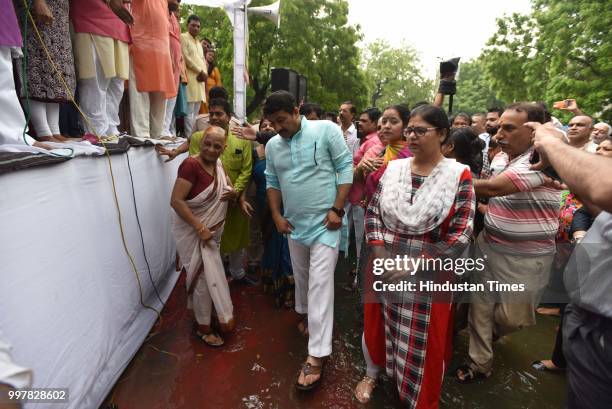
x=144, y=251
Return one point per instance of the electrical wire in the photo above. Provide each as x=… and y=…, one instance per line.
x=144, y=251
x=110, y=166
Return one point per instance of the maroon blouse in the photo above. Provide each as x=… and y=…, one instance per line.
x=193, y=172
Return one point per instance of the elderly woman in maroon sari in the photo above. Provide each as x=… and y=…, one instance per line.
x=423, y=207
x=200, y=197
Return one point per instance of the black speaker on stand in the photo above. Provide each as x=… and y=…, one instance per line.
x=286, y=79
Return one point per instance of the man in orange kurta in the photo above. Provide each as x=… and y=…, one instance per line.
x=151, y=77
x=178, y=66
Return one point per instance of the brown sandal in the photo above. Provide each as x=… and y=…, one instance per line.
x=213, y=344
x=309, y=369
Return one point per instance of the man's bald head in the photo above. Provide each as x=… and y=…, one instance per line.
x=579, y=130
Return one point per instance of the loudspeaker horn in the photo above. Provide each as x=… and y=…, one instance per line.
x=271, y=12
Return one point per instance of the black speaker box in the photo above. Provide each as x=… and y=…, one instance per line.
x=287, y=80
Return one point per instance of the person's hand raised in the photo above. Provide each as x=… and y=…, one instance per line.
x=542, y=134
x=570, y=105
x=245, y=131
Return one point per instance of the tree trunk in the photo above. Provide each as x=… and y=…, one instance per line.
x=260, y=95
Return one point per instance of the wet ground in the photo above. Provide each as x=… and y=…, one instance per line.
x=258, y=365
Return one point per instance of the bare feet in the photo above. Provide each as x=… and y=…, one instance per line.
x=363, y=390
x=42, y=145
x=553, y=311
x=546, y=365
x=48, y=139
x=63, y=138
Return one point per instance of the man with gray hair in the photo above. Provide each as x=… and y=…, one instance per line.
x=601, y=131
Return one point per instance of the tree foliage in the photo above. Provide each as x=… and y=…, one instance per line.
x=394, y=76
x=314, y=39
x=561, y=50
x=474, y=90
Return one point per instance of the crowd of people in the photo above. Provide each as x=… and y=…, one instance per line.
x=415, y=183
x=276, y=203
x=56, y=52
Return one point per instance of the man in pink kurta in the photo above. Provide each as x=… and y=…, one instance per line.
x=370, y=146
x=151, y=76
x=100, y=44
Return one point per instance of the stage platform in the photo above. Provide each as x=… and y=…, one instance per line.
x=70, y=303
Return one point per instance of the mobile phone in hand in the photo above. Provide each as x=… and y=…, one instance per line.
x=549, y=171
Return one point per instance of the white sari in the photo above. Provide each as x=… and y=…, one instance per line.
x=204, y=259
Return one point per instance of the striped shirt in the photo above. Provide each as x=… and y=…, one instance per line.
x=524, y=222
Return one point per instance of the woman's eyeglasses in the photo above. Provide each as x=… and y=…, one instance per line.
x=418, y=130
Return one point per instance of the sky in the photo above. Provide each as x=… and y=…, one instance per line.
x=437, y=29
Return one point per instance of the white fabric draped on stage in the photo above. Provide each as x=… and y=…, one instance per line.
x=69, y=299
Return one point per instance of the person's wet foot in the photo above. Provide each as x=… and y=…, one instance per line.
x=546, y=365
x=307, y=379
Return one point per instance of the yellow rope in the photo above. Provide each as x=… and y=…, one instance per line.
x=110, y=165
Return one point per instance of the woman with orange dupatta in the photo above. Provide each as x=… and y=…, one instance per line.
x=200, y=197
x=391, y=133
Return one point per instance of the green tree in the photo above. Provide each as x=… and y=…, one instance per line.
x=394, y=75
x=474, y=90
x=576, y=41
x=561, y=50
x=314, y=39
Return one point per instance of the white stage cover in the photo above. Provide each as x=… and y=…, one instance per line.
x=69, y=299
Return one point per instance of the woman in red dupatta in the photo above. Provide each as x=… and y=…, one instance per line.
x=422, y=207
x=199, y=198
